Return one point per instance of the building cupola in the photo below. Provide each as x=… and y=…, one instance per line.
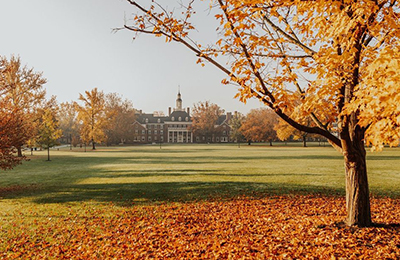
x=179, y=102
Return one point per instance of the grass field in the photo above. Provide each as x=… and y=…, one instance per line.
x=186, y=172
x=109, y=180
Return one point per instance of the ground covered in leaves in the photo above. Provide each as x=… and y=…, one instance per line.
x=277, y=227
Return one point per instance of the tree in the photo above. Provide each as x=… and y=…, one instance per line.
x=204, y=119
x=340, y=57
x=68, y=121
x=259, y=125
x=235, y=124
x=93, y=117
x=22, y=92
x=120, y=116
x=48, y=132
x=9, y=135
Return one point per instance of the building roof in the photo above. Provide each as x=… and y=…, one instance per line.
x=151, y=119
x=177, y=114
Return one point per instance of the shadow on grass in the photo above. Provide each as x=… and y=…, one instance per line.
x=115, y=174
x=144, y=193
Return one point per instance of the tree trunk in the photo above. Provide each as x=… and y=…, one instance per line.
x=270, y=143
x=48, y=153
x=19, y=149
x=93, y=145
x=304, y=142
x=357, y=191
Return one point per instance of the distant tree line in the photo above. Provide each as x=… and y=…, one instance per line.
x=28, y=119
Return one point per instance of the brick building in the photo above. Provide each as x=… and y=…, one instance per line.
x=176, y=127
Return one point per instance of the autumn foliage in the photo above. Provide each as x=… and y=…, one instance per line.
x=277, y=227
x=21, y=90
x=8, y=138
x=92, y=116
x=204, y=119
x=333, y=62
x=259, y=125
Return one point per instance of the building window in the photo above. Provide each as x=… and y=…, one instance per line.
x=136, y=126
x=162, y=138
x=217, y=139
x=143, y=138
x=224, y=132
x=173, y=118
x=136, y=131
x=149, y=138
x=158, y=120
x=147, y=120
x=197, y=139
x=143, y=132
x=155, y=138
x=180, y=119
x=187, y=119
x=161, y=131
x=149, y=132
x=155, y=132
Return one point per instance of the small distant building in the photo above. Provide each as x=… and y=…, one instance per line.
x=176, y=127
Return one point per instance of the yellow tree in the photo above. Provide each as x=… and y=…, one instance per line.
x=48, y=131
x=68, y=121
x=22, y=90
x=339, y=58
x=92, y=116
x=259, y=125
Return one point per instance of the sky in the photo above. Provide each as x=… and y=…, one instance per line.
x=72, y=42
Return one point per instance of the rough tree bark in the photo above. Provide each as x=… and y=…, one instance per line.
x=357, y=189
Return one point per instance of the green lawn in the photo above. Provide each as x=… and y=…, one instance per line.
x=188, y=172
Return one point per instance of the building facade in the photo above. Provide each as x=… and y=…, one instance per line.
x=176, y=127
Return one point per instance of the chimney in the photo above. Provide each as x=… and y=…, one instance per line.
x=188, y=111
x=228, y=116
x=169, y=111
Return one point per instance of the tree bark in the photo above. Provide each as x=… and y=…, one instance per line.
x=19, y=149
x=93, y=145
x=304, y=142
x=357, y=191
x=48, y=153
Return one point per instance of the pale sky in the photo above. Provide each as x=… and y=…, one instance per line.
x=72, y=43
